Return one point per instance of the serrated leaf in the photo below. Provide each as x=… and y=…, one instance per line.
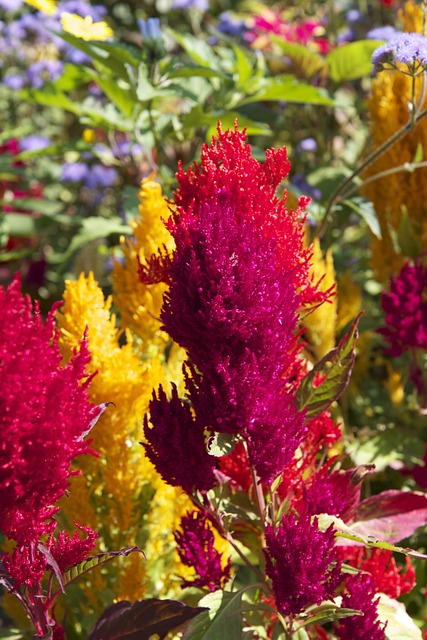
x=96, y=561
x=351, y=61
x=306, y=62
x=142, y=620
x=286, y=88
x=221, y=444
x=335, y=369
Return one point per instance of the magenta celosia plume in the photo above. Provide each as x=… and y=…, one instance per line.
x=237, y=279
x=195, y=546
x=45, y=414
x=405, y=308
x=360, y=595
x=299, y=561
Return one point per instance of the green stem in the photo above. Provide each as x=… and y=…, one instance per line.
x=366, y=163
x=410, y=167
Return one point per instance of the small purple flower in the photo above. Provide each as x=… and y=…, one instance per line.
x=201, y=5
x=299, y=561
x=406, y=48
x=150, y=29
x=196, y=549
x=230, y=25
x=11, y=5
x=100, y=177
x=43, y=70
x=34, y=143
x=382, y=33
x=360, y=595
x=14, y=81
x=74, y=172
x=307, y=144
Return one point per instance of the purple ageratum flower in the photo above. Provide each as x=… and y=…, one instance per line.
x=14, y=81
x=196, y=549
x=360, y=595
x=382, y=33
x=97, y=12
x=11, y=5
x=405, y=308
x=74, y=172
x=34, y=143
x=406, y=48
x=298, y=561
x=43, y=70
x=176, y=446
x=100, y=177
x=201, y=5
x=231, y=25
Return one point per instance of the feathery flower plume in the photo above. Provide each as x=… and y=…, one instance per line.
x=196, y=549
x=407, y=48
x=360, y=595
x=298, y=561
x=238, y=276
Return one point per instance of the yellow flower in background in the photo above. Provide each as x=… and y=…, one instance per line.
x=85, y=28
x=118, y=493
x=320, y=324
x=349, y=300
x=140, y=305
x=46, y=6
x=399, y=199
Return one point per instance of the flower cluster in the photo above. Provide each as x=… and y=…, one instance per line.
x=196, y=549
x=360, y=595
x=298, y=561
x=405, y=309
x=238, y=277
x=407, y=48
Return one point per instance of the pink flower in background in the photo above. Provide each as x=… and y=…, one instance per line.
x=405, y=308
x=195, y=545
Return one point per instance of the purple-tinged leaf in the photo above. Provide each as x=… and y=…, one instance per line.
x=142, y=620
x=391, y=515
x=52, y=563
x=334, y=371
x=79, y=569
x=93, y=422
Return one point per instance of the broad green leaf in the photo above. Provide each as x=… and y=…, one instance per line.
x=46, y=207
x=244, y=68
x=288, y=89
x=334, y=371
x=223, y=620
x=400, y=625
x=24, y=225
x=346, y=532
x=94, y=228
x=191, y=70
x=351, y=61
x=391, y=445
x=142, y=620
x=106, y=116
x=123, y=98
x=197, y=49
x=199, y=117
x=366, y=211
x=50, y=96
x=72, y=77
x=306, y=62
x=328, y=612
x=96, y=561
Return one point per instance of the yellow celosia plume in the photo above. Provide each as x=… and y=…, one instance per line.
x=140, y=305
x=400, y=198
x=320, y=324
x=118, y=493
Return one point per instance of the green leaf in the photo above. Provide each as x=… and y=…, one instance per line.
x=72, y=77
x=288, y=89
x=192, y=70
x=244, y=68
x=400, y=625
x=123, y=98
x=221, y=444
x=365, y=209
x=95, y=561
x=407, y=238
x=351, y=61
x=94, y=228
x=197, y=49
x=223, y=620
x=345, y=531
x=335, y=369
x=198, y=117
x=328, y=612
x=11, y=634
x=306, y=62
x=142, y=620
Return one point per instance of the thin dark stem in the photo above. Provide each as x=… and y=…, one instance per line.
x=259, y=496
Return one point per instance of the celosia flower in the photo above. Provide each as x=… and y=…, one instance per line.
x=386, y=575
x=45, y=414
x=405, y=308
x=336, y=493
x=360, y=595
x=196, y=549
x=298, y=561
x=69, y=551
x=238, y=277
x=407, y=48
x=176, y=446
x=85, y=28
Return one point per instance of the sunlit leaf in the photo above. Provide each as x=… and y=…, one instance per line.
x=96, y=561
x=400, y=625
x=351, y=61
